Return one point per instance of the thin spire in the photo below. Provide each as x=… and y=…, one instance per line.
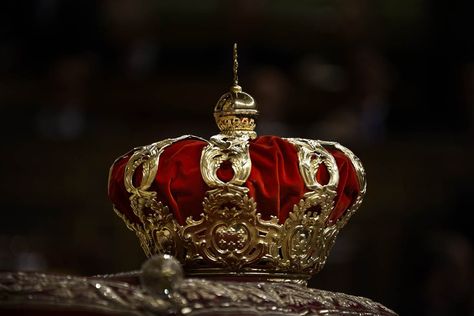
x=236, y=66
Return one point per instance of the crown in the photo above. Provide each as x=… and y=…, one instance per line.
x=238, y=204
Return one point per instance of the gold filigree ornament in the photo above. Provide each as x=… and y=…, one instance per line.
x=305, y=233
x=157, y=230
x=221, y=148
x=230, y=234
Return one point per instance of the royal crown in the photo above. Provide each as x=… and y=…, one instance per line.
x=238, y=204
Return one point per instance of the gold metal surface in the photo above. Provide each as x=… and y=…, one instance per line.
x=223, y=148
x=230, y=234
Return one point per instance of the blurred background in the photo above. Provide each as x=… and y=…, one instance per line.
x=82, y=82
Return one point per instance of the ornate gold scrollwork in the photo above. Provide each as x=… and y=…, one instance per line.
x=157, y=231
x=361, y=177
x=230, y=233
x=355, y=162
x=226, y=148
x=304, y=231
x=311, y=155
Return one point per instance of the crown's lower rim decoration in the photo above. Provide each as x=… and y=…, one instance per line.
x=231, y=237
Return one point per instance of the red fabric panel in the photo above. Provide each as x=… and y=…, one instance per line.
x=179, y=183
x=275, y=181
x=117, y=192
x=348, y=188
x=225, y=172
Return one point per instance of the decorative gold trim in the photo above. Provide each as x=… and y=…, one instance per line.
x=230, y=233
x=226, y=148
x=157, y=230
x=305, y=231
x=359, y=168
x=311, y=155
x=230, y=123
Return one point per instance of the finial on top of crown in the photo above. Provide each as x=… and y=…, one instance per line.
x=236, y=111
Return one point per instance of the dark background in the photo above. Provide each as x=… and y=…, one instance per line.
x=82, y=82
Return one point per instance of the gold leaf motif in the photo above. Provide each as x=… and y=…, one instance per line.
x=226, y=148
x=230, y=234
x=158, y=231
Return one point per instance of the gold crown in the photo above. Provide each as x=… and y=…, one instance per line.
x=231, y=237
